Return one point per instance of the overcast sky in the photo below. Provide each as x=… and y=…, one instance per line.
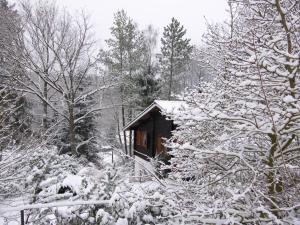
x=190, y=13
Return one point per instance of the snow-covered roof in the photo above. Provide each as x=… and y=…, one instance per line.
x=170, y=106
x=165, y=106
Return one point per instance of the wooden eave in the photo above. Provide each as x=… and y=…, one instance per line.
x=146, y=114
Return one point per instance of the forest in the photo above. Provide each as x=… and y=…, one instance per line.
x=233, y=156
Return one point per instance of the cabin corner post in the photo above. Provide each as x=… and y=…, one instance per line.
x=130, y=143
x=22, y=217
x=153, y=135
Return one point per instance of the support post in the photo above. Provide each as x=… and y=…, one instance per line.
x=22, y=217
x=130, y=142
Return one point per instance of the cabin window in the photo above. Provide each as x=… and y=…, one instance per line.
x=160, y=148
x=141, y=138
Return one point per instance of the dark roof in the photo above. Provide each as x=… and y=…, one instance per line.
x=164, y=106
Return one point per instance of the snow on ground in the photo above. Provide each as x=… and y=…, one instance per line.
x=109, y=157
x=90, y=172
x=8, y=217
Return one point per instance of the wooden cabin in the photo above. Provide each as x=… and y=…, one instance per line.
x=150, y=129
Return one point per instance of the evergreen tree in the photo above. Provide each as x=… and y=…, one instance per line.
x=125, y=59
x=176, y=51
x=147, y=88
x=8, y=31
x=85, y=129
x=13, y=105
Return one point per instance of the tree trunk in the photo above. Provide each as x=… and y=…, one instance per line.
x=45, y=107
x=170, y=83
x=124, y=132
x=130, y=133
x=130, y=143
x=171, y=73
x=72, y=129
x=118, y=129
x=271, y=175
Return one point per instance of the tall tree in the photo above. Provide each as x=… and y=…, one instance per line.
x=13, y=109
x=41, y=24
x=241, y=132
x=57, y=52
x=9, y=29
x=176, y=51
x=147, y=85
x=124, y=59
x=150, y=39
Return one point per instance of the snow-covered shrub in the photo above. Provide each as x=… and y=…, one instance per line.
x=239, y=160
x=66, y=178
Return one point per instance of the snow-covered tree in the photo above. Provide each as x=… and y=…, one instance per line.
x=14, y=110
x=124, y=60
x=237, y=145
x=57, y=53
x=176, y=51
x=85, y=128
x=40, y=25
x=146, y=84
x=147, y=88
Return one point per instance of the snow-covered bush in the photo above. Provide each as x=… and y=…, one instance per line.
x=239, y=161
x=67, y=178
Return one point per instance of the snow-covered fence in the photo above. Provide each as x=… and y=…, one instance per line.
x=22, y=208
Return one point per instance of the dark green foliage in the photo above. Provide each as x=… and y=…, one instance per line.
x=4, y=4
x=147, y=88
x=176, y=51
x=14, y=116
x=126, y=55
x=85, y=129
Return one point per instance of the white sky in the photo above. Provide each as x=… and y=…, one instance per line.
x=190, y=13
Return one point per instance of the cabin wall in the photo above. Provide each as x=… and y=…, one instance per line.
x=139, y=150
x=155, y=126
x=163, y=127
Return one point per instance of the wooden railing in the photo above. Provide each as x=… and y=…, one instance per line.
x=54, y=204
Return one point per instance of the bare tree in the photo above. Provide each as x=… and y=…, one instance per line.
x=57, y=52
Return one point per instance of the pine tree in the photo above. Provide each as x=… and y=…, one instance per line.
x=124, y=60
x=176, y=51
x=147, y=85
x=85, y=129
x=147, y=88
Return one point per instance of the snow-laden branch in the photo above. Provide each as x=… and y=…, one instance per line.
x=103, y=203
